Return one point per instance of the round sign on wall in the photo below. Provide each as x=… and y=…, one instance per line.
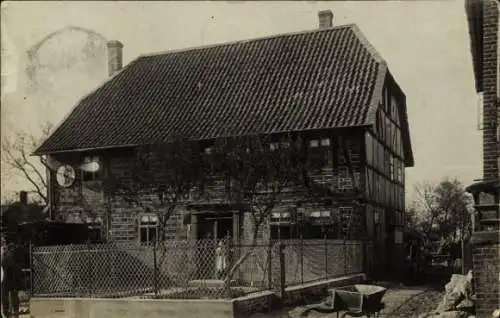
x=65, y=175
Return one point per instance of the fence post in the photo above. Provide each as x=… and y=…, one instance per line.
x=345, y=254
x=282, y=281
x=326, y=254
x=155, y=272
x=90, y=269
x=269, y=265
x=31, y=268
x=301, y=259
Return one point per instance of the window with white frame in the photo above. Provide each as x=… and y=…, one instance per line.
x=274, y=146
x=148, y=228
x=325, y=142
x=282, y=225
x=208, y=150
x=91, y=168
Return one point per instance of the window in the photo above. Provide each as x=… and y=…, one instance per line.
x=274, y=146
x=389, y=132
x=369, y=182
x=380, y=157
x=281, y=217
x=148, y=229
x=402, y=172
x=346, y=214
x=384, y=97
x=95, y=228
x=325, y=142
x=401, y=198
x=314, y=143
x=369, y=148
x=281, y=224
x=394, y=138
x=394, y=109
x=285, y=145
x=318, y=222
x=391, y=168
x=388, y=135
x=208, y=150
x=91, y=168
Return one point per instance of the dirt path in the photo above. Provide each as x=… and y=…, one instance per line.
x=400, y=302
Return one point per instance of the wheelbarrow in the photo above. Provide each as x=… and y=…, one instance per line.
x=355, y=301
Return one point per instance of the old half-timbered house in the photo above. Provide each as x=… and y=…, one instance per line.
x=328, y=85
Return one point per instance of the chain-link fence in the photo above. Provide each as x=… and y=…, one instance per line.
x=314, y=260
x=186, y=269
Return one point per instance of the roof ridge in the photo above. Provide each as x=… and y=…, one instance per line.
x=261, y=38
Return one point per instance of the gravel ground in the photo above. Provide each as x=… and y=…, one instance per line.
x=419, y=304
x=401, y=302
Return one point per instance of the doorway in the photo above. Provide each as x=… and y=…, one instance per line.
x=212, y=227
x=215, y=226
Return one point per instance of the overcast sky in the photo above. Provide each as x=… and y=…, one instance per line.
x=425, y=43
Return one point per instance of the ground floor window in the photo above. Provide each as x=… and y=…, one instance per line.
x=148, y=229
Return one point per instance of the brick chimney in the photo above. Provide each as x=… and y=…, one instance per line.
x=325, y=18
x=491, y=99
x=23, y=197
x=115, y=56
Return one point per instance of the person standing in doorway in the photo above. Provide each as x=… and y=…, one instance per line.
x=221, y=259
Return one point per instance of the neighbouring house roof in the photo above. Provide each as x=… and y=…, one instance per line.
x=17, y=212
x=321, y=79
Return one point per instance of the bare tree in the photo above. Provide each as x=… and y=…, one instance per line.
x=16, y=154
x=160, y=177
x=442, y=209
x=259, y=170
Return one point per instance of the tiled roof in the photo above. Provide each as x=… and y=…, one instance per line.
x=292, y=82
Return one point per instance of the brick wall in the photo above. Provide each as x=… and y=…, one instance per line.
x=486, y=245
x=120, y=217
x=490, y=94
x=486, y=278
x=88, y=199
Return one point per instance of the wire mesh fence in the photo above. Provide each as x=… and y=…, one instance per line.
x=313, y=260
x=187, y=269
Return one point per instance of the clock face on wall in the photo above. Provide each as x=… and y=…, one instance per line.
x=65, y=176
